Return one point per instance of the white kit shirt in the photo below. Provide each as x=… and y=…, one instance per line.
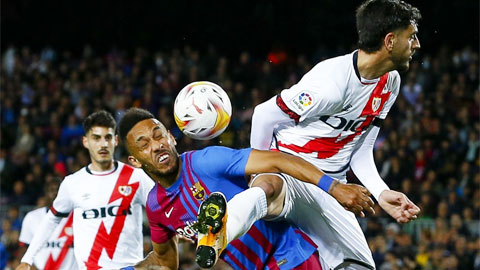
x=107, y=215
x=57, y=253
x=332, y=107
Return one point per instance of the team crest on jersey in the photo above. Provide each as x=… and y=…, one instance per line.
x=198, y=191
x=125, y=190
x=302, y=101
x=376, y=103
x=68, y=231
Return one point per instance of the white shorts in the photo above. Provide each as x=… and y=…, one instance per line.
x=340, y=240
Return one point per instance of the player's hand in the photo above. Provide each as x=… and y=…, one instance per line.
x=397, y=205
x=23, y=266
x=352, y=197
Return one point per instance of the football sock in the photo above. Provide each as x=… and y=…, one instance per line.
x=243, y=210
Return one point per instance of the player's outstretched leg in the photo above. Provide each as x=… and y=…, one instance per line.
x=212, y=232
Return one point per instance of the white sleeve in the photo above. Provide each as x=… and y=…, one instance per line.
x=42, y=233
x=310, y=98
x=63, y=204
x=363, y=164
x=265, y=117
x=26, y=233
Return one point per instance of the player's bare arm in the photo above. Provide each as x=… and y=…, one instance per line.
x=23, y=266
x=352, y=197
x=163, y=257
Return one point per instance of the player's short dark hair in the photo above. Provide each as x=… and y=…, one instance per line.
x=99, y=119
x=377, y=18
x=130, y=119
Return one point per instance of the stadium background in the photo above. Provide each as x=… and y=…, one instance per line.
x=62, y=60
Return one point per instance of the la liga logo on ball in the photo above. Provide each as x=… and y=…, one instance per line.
x=202, y=110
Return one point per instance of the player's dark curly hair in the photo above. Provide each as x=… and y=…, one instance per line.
x=377, y=18
x=99, y=119
x=130, y=119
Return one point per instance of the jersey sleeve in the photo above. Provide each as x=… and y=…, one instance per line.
x=43, y=231
x=63, y=204
x=395, y=86
x=311, y=97
x=223, y=160
x=26, y=233
x=159, y=233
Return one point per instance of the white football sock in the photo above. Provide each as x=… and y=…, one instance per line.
x=243, y=210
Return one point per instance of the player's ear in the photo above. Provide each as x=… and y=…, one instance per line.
x=85, y=141
x=116, y=140
x=172, y=138
x=389, y=41
x=134, y=162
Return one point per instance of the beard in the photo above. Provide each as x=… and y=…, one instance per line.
x=402, y=67
x=170, y=172
x=401, y=63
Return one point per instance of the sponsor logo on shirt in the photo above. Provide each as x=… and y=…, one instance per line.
x=198, y=191
x=102, y=212
x=338, y=122
x=302, y=101
x=54, y=244
x=187, y=231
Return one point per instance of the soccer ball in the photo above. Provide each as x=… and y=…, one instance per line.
x=202, y=110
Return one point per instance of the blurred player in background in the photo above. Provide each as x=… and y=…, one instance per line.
x=183, y=182
x=106, y=198
x=57, y=253
x=331, y=118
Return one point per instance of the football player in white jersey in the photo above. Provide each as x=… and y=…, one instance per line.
x=106, y=198
x=331, y=118
x=57, y=253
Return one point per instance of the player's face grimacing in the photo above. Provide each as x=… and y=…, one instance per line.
x=406, y=45
x=100, y=142
x=153, y=148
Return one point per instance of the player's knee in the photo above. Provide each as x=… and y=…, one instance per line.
x=271, y=185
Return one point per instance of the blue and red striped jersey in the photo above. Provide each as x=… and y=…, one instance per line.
x=267, y=245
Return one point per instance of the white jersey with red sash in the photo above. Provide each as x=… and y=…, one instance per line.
x=57, y=253
x=332, y=107
x=107, y=215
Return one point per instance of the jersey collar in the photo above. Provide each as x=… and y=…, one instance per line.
x=115, y=166
x=360, y=78
x=174, y=187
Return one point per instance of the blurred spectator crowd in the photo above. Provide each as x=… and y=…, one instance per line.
x=428, y=147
